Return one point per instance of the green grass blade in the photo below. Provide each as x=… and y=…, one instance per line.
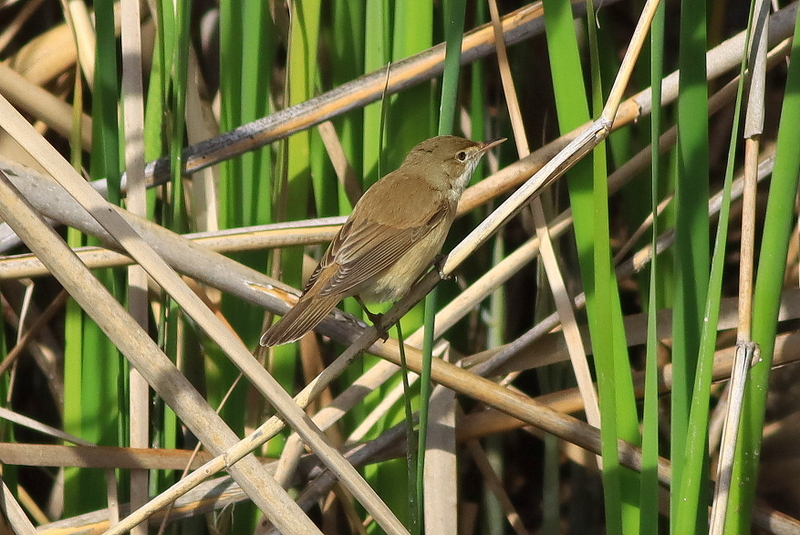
x=258, y=50
x=454, y=16
x=610, y=351
x=690, y=494
x=177, y=126
x=94, y=400
x=691, y=229
x=608, y=339
x=377, y=53
x=649, y=486
x=412, y=116
x=105, y=135
x=454, y=29
x=413, y=452
x=349, y=28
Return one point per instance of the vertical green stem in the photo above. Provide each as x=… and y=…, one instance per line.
x=691, y=226
x=649, y=486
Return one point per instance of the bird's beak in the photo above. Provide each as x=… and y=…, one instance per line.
x=486, y=146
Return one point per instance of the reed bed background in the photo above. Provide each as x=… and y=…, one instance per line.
x=614, y=349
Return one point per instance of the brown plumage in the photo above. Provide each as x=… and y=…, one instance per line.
x=395, y=231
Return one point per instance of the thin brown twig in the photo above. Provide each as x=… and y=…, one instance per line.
x=52, y=309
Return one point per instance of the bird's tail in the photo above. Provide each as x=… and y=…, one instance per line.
x=306, y=314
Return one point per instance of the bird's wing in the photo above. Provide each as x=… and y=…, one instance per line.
x=364, y=250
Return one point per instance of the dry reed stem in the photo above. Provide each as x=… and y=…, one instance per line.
x=13, y=512
x=213, y=495
x=517, y=26
x=99, y=457
x=77, y=16
x=162, y=375
x=42, y=105
x=558, y=287
x=136, y=202
x=441, y=465
x=225, y=241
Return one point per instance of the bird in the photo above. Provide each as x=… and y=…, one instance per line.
x=392, y=236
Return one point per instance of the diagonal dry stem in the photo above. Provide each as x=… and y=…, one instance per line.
x=158, y=269
x=136, y=345
x=517, y=26
x=558, y=287
x=258, y=438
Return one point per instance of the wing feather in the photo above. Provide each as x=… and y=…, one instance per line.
x=370, y=249
x=303, y=317
x=368, y=259
x=370, y=241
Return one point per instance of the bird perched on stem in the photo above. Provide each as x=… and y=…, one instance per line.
x=392, y=236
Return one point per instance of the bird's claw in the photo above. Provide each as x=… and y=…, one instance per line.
x=376, y=319
x=383, y=334
x=438, y=264
x=377, y=322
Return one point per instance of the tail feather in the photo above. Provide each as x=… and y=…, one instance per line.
x=309, y=311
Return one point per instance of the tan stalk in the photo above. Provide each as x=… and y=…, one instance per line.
x=517, y=26
x=12, y=511
x=224, y=241
x=157, y=268
x=572, y=335
x=136, y=202
x=441, y=470
x=90, y=456
x=747, y=351
x=77, y=15
x=136, y=345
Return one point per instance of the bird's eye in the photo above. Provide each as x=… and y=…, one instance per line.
x=461, y=156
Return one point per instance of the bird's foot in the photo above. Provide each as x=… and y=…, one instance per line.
x=376, y=319
x=438, y=265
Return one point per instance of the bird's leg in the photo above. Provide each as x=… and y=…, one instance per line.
x=376, y=319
